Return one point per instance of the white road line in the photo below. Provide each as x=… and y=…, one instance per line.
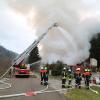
x=39, y=92
x=5, y=83
x=22, y=94
x=44, y=89
x=12, y=95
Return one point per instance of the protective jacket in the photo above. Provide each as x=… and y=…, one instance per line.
x=64, y=75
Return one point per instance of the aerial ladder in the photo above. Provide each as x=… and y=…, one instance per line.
x=19, y=60
x=23, y=55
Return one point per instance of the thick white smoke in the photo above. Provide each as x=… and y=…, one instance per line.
x=78, y=20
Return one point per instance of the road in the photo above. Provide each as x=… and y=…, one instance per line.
x=23, y=85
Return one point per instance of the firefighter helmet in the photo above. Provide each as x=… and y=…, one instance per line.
x=41, y=67
x=69, y=70
x=45, y=68
x=64, y=68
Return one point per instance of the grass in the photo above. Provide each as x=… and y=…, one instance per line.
x=83, y=94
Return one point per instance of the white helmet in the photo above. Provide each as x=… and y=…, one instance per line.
x=69, y=70
x=41, y=67
x=64, y=68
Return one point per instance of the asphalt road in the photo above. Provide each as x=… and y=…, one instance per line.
x=23, y=85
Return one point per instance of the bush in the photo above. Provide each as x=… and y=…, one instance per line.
x=56, y=68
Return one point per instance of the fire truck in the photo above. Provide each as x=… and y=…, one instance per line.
x=21, y=69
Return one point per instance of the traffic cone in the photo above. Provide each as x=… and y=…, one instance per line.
x=30, y=93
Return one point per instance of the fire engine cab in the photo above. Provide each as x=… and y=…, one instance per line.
x=22, y=70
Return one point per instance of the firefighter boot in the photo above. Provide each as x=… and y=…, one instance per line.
x=41, y=82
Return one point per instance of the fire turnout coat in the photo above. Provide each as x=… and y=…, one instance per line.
x=64, y=75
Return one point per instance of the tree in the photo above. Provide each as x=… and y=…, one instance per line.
x=56, y=68
x=34, y=56
x=95, y=49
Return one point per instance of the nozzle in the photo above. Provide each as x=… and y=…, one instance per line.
x=55, y=24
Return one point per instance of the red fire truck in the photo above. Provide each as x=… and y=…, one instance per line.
x=22, y=71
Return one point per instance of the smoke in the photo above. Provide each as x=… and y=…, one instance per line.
x=78, y=20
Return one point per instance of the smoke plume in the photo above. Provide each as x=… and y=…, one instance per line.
x=78, y=20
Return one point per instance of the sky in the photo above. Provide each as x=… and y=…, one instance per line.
x=15, y=32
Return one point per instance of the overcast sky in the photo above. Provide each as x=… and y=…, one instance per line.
x=15, y=33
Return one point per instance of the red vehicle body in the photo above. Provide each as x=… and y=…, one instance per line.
x=22, y=72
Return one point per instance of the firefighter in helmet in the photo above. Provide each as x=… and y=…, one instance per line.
x=78, y=78
x=70, y=77
x=42, y=75
x=64, y=76
x=45, y=76
x=87, y=77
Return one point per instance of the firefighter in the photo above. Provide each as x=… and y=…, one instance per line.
x=64, y=76
x=42, y=75
x=45, y=76
x=78, y=78
x=87, y=77
x=70, y=77
x=69, y=71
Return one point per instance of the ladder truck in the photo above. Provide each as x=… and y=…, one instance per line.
x=21, y=69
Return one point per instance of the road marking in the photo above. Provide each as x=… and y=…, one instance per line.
x=23, y=94
x=39, y=92
x=12, y=95
x=8, y=84
x=31, y=93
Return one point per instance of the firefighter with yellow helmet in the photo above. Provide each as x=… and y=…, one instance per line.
x=87, y=77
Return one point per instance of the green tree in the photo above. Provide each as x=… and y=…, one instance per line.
x=56, y=68
x=34, y=56
x=95, y=49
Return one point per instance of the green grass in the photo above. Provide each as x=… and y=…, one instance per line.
x=83, y=94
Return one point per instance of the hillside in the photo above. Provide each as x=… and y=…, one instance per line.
x=6, y=57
